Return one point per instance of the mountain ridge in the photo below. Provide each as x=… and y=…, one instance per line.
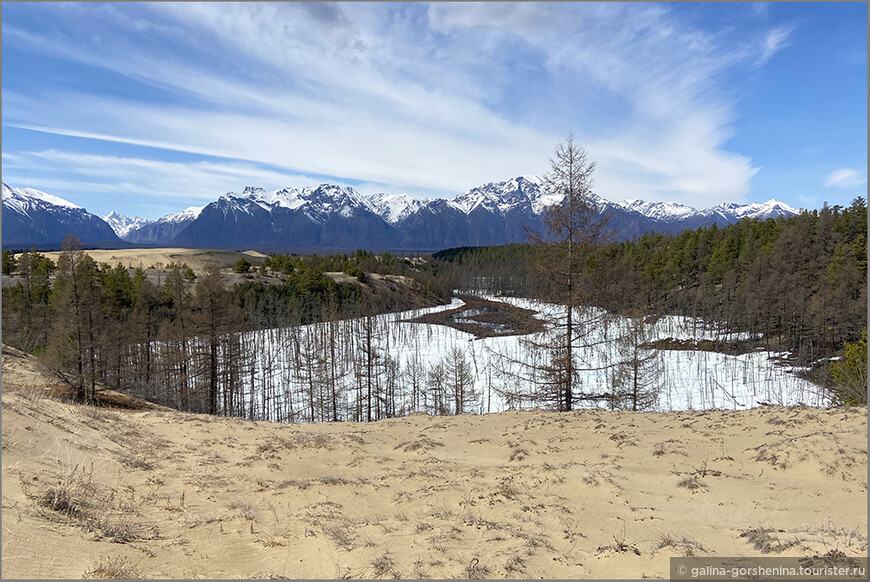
x=335, y=216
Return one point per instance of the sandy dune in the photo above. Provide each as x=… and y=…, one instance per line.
x=196, y=259
x=155, y=493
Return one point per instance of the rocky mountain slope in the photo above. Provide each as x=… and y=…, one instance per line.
x=34, y=217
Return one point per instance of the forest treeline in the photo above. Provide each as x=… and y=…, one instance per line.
x=182, y=341
x=800, y=282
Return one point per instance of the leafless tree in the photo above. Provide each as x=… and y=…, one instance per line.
x=574, y=230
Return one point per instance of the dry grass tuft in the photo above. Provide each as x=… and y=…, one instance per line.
x=245, y=509
x=766, y=541
x=342, y=532
x=76, y=498
x=383, y=565
x=619, y=544
x=272, y=445
x=475, y=571
x=514, y=564
x=135, y=461
x=422, y=444
x=114, y=568
x=73, y=495
x=517, y=452
x=420, y=573
x=301, y=484
x=507, y=489
x=689, y=547
x=693, y=483
x=829, y=534
x=328, y=480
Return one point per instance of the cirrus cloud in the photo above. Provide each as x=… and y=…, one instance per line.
x=421, y=98
x=844, y=178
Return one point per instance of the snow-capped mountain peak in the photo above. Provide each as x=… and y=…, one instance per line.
x=21, y=197
x=122, y=224
x=394, y=207
x=770, y=209
x=316, y=203
x=659, y=210
x=189, y=213
x=31, y=216
x=501, y=197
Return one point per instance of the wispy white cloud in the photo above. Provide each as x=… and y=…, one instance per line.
x=670, y=142
x=412, y=98
x=844, y=178
x=82, y=176
x=774, y=41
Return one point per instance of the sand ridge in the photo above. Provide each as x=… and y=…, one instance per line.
x=196, y=259
x=587, y=494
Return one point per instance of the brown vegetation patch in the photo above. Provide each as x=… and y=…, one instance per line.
x=484, y=318
x=732, y=348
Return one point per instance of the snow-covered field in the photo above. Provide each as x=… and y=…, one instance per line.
x=502, y=378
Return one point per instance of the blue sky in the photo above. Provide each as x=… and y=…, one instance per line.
x=149, y=108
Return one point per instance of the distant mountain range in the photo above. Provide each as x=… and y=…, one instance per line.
x=160, y=231
x=334, y=217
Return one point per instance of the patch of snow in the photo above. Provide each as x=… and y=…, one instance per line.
x=690, y=380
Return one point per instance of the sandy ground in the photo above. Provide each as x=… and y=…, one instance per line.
x=91, y=492
x=196, y=259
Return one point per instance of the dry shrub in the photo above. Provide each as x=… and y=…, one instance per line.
x=518, y=454
x=766, y=541
x=619, y=544
x=684, y=544
x=342, y=532
x=301, y=484
x=135, y=461
x=191, y=519
x=507, y=489
x=77, y=498
x=271, y=446
x=114, y=568
x=693, y=483
x=73, y=495
x=422, y=444
x=419, y=572
x=335, y=481
x=120, y=532
x=308, y=441
x=475, y=571
x=623, y=439
x=384, y=564
x=245, y=509
x=514, y=564
x=830, y=534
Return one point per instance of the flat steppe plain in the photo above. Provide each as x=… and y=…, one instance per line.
x=196, y=259
x=142, y=491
